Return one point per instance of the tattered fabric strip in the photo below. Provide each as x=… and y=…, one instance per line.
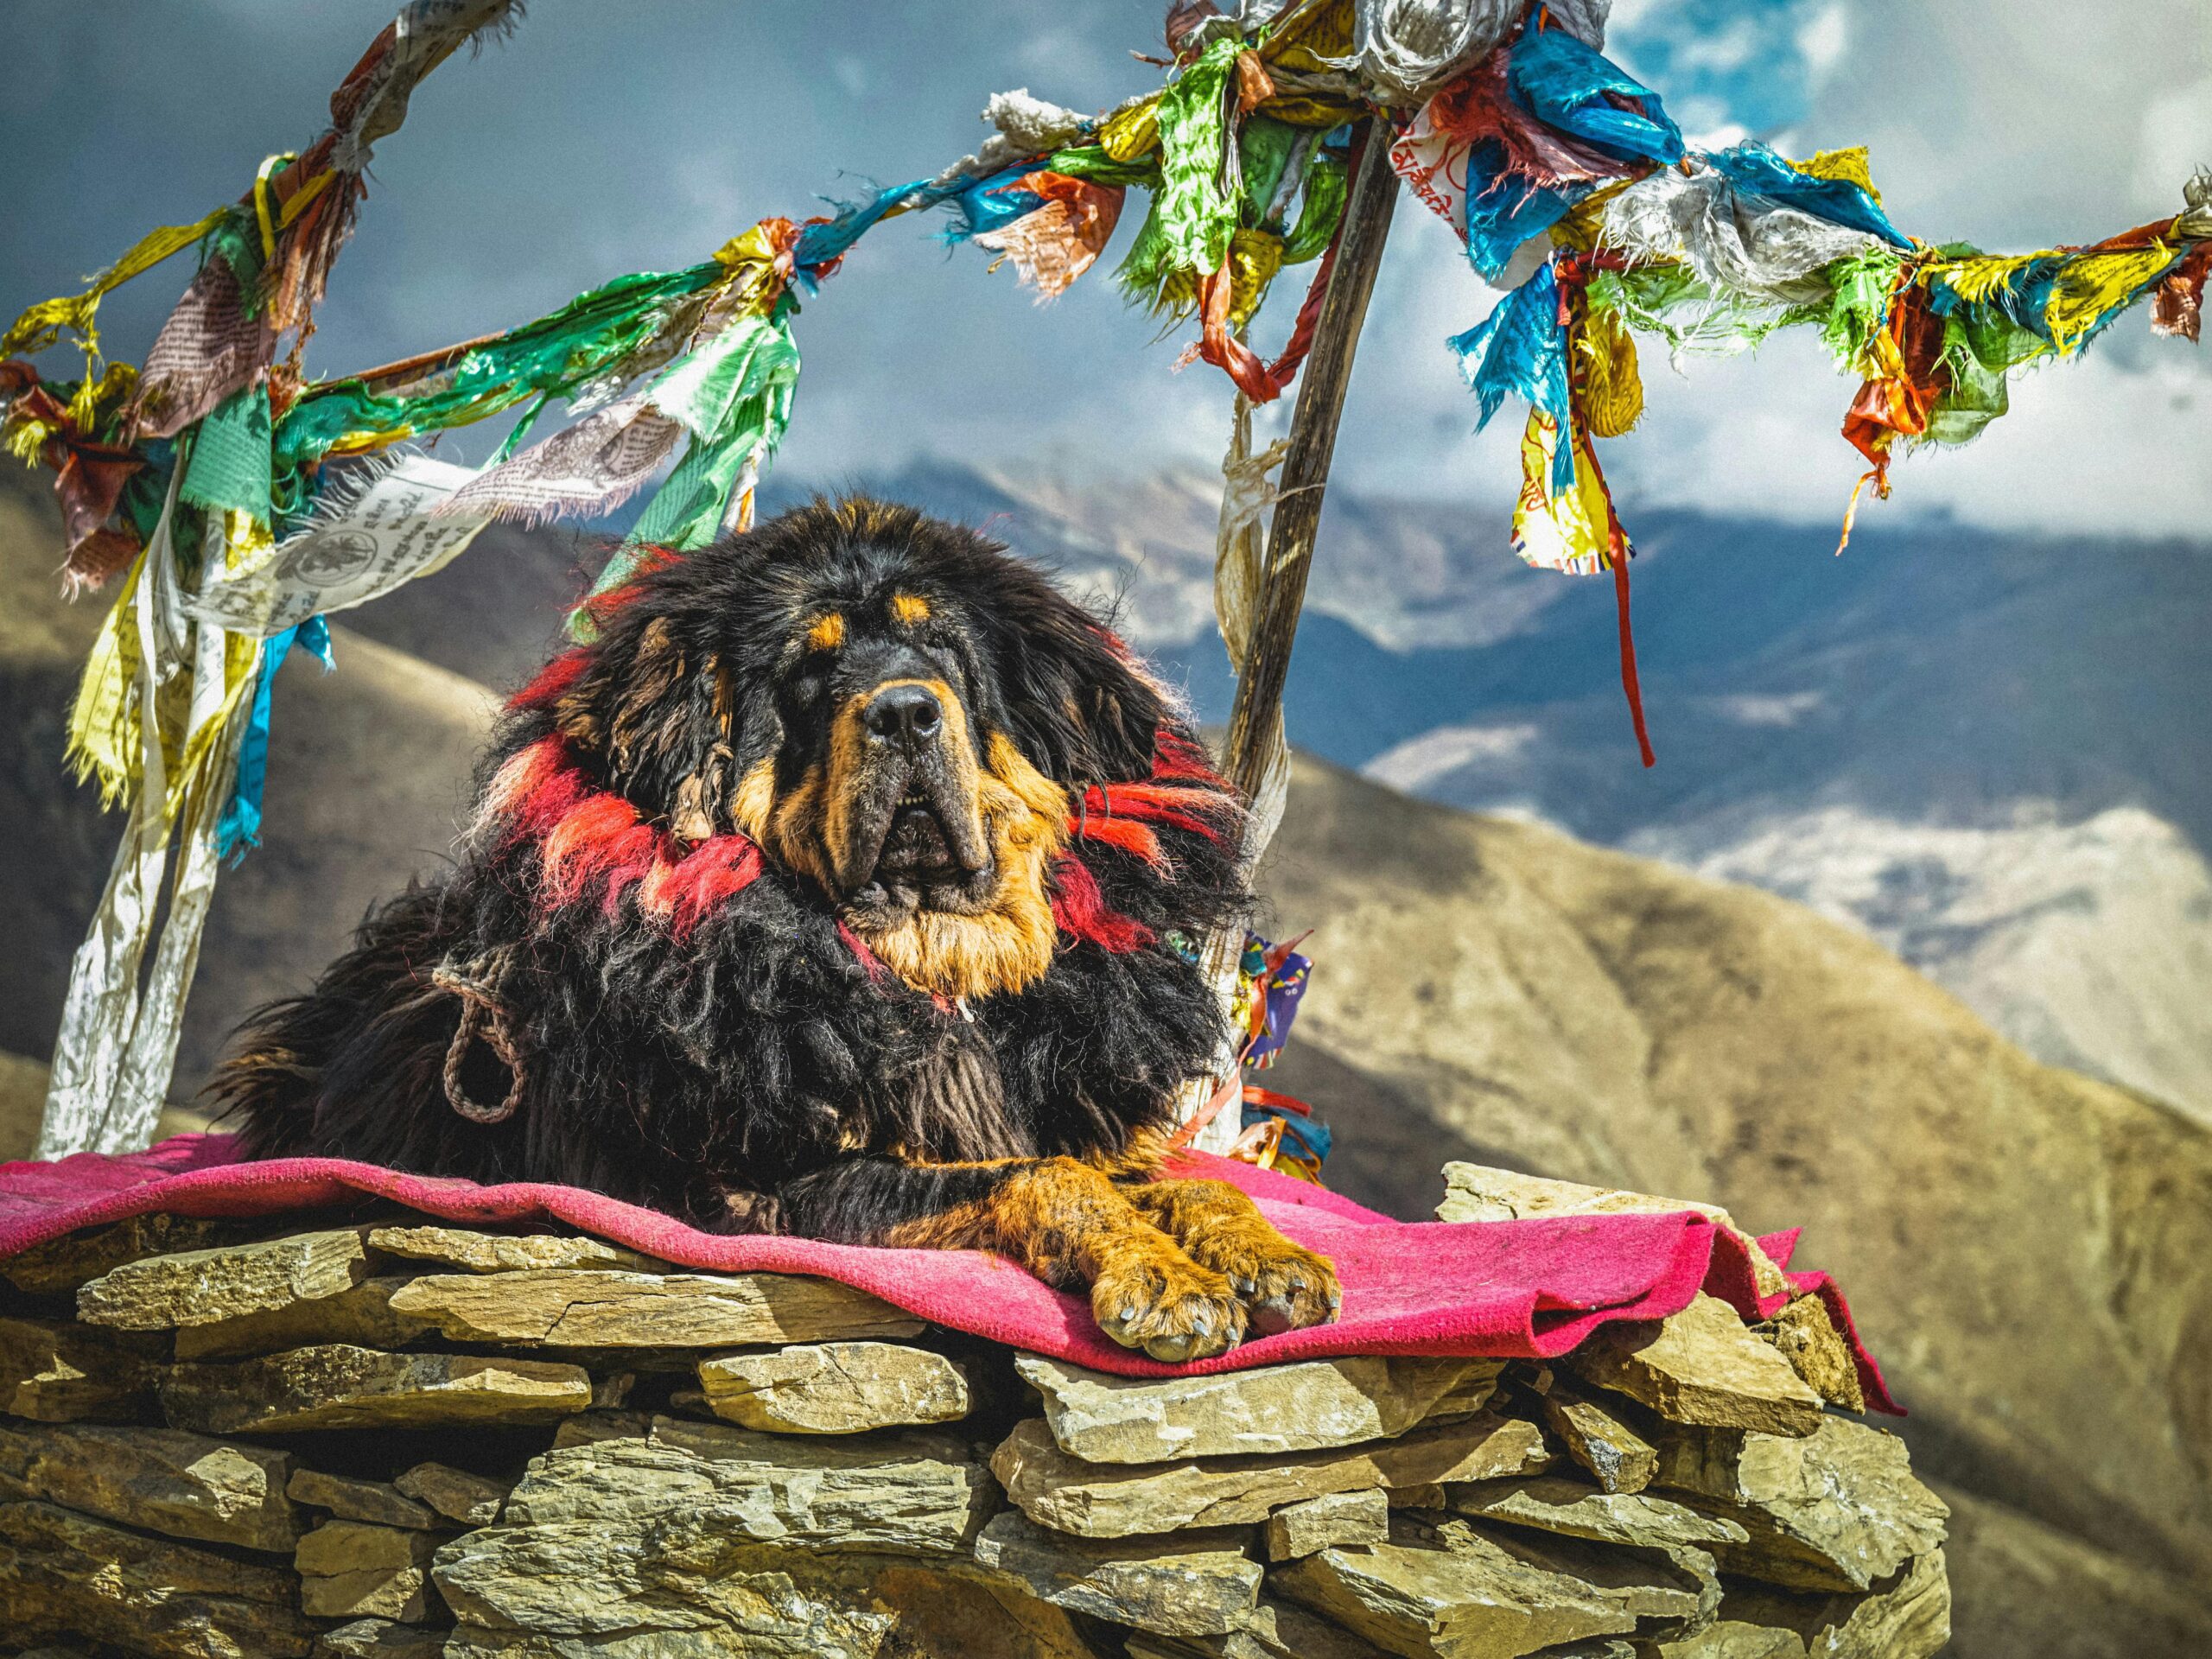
x=1733, y=239
x=1054, y=246
x=1522, y=347
x=209, y=348
x=89, y=478
x=588, y=469
x=2178, y=307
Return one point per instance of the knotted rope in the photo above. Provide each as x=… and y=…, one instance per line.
x=483, y=1014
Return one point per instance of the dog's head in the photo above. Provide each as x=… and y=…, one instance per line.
x=888, y=706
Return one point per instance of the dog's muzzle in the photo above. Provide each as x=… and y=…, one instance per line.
x=916, y=837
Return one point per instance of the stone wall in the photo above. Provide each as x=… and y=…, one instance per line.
x=385, y=1438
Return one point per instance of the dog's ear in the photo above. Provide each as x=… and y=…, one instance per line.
x=668, y=727
x=1070, y=692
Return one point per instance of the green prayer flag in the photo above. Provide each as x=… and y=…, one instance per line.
x=230, y=467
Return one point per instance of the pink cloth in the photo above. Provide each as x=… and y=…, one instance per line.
x=1530, y=1289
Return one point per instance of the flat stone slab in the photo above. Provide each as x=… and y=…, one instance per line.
x=835, y=1388
x=475, y=1252
x=66, y=1575
x=1600, y=1439
x=1596, y=1436
x=58, y=1373
x=338, y=1386
x=159, y=1293
x=592, y=1308
x=908, y=1491
x=159, y=1479
x=1555, y=1503
x=754, y=1601
x=1200, y=1584
x=1302, y=1407
x=1457, y=1592
x=362, y=1316
x=1702, y=1367
x=378, y=1502
x=1838, y=1510
x=1274, y=1630
x=469, y=1500
x=59, y=1265
x=1337, y=1518
x=349, y=1569
x=379, y=1638
x=1113, y=1501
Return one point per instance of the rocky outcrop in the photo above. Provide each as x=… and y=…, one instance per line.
x=398, y=1442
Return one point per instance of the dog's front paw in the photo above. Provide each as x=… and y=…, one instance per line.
x=1286, y=1288
x=1153, y=1297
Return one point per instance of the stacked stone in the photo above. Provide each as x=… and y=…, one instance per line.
x=407, y=1440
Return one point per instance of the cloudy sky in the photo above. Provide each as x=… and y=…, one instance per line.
x=634, y=135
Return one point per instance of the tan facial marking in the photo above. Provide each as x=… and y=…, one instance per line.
x=755, y=801
x=827, y=633
x=909, y=609
x=793, y=832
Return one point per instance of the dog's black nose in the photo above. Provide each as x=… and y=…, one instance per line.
x=909, y=713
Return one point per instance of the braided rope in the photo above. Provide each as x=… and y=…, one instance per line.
x=482, y=1014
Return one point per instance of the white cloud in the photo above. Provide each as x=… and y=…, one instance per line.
x=1823, y=38
x=2176, y=141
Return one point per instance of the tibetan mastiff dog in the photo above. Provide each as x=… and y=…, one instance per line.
x=850, y=883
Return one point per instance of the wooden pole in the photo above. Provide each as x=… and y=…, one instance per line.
x=1256, y=718
x=1252, y=721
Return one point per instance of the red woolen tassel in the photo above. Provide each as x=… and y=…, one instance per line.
x=1080, y=910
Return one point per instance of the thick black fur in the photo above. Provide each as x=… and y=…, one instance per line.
x=759, y=1074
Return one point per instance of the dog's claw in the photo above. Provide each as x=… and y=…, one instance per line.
x=1245, y=1287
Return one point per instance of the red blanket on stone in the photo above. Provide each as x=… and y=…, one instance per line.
x=1532, y=1289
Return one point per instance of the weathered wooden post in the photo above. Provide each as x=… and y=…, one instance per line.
x=1254, y=750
